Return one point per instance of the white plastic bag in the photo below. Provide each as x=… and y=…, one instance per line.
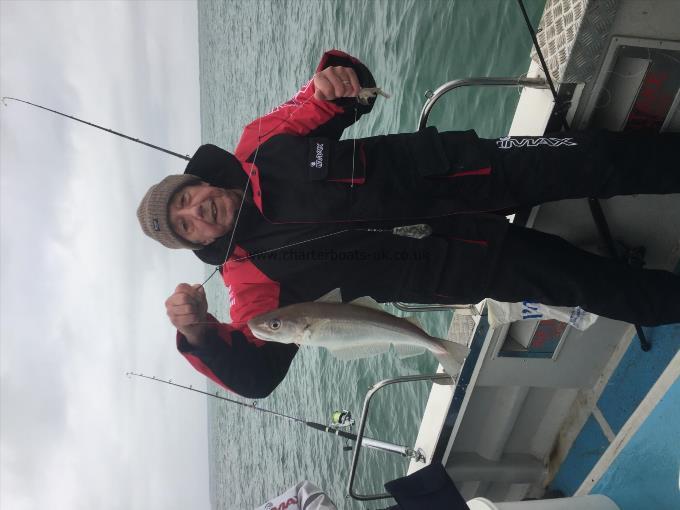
x=504, y=313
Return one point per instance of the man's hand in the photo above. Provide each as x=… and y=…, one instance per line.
x=187, y=309
x=334, y=82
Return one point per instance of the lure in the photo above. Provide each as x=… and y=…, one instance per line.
x=370, y=92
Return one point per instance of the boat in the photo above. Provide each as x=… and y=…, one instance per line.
x=541, y=409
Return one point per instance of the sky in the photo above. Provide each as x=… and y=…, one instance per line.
x=82, y=290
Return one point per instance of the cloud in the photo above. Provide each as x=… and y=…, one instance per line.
x=81, y=289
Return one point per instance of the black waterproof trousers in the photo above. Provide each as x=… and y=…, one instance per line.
x=546, y=268
x=541, y=267
x=527, y=171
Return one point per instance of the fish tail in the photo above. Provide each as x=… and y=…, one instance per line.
x=451, y=356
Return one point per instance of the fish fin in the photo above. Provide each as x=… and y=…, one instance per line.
x=334, y=296
x=357, y=352
x=450, y=366
x=408, y=351
x=367, y=302
x=319, y=328
x=455, y=355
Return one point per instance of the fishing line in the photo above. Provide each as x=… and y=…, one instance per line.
x=247, y=185
x=250, y=173
x=354, y=149
x=295, y=109
x=184, y=157
x=292, y=244
x=395, y=231
x=252, y=166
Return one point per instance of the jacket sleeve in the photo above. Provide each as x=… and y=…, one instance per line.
x=232, y=356
x=304, y=115
x=239, y=365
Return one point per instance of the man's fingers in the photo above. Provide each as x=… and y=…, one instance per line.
x=348, y=83
x=324, y=88
x=179, y=298
x=353, y=80
x=177, y=310
x=336, y=81
x=183, y=287
x=195, y=291
x=183, y=321
x=185, y=315
x=187, y=307
x=341, y=80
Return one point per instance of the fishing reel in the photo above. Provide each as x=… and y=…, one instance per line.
x=343, y=420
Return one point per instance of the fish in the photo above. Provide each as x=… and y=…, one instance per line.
x=349, y=331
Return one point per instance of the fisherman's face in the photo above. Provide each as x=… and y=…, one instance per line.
x=201, y=213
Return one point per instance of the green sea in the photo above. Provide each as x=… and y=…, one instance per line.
x=254, y=55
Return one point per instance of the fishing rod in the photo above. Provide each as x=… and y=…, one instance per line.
x=375, y=444
x=176, y=154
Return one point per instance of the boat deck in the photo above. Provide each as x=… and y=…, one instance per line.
x=640, y=467
x=630, y=442
x=588, y=412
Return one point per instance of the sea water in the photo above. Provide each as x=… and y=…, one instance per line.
x=254, y=55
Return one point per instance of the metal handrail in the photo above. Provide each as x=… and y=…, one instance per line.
x=409, y=307
x=433, y=97
x=538, y=83
x=362, y=425
x=534, y=83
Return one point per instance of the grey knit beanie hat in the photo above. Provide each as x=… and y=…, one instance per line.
x=152, y=212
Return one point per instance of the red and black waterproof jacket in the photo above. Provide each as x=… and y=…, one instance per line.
x=319, y=217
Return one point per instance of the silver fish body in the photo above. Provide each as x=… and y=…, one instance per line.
x=350, y=331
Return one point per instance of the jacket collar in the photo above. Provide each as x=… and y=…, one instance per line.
x=218, y=168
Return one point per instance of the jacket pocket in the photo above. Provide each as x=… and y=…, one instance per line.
x=335, y=161
x=465, y=153
x=441, y=155
x=427, y=151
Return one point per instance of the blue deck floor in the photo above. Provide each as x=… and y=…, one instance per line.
x=645, y=473
x=637, y=469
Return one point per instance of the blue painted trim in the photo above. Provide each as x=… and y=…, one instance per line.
x=461, y=389
x=645, y=473
x=587, y=449
x=636, y=374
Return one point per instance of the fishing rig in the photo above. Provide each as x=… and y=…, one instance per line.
x=338, y=426
x=631, y=256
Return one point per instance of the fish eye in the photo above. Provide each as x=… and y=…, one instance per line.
x=275, y=324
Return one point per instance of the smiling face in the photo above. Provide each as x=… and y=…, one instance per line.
x=201, y=213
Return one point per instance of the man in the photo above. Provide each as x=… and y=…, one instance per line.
x=295, y=213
